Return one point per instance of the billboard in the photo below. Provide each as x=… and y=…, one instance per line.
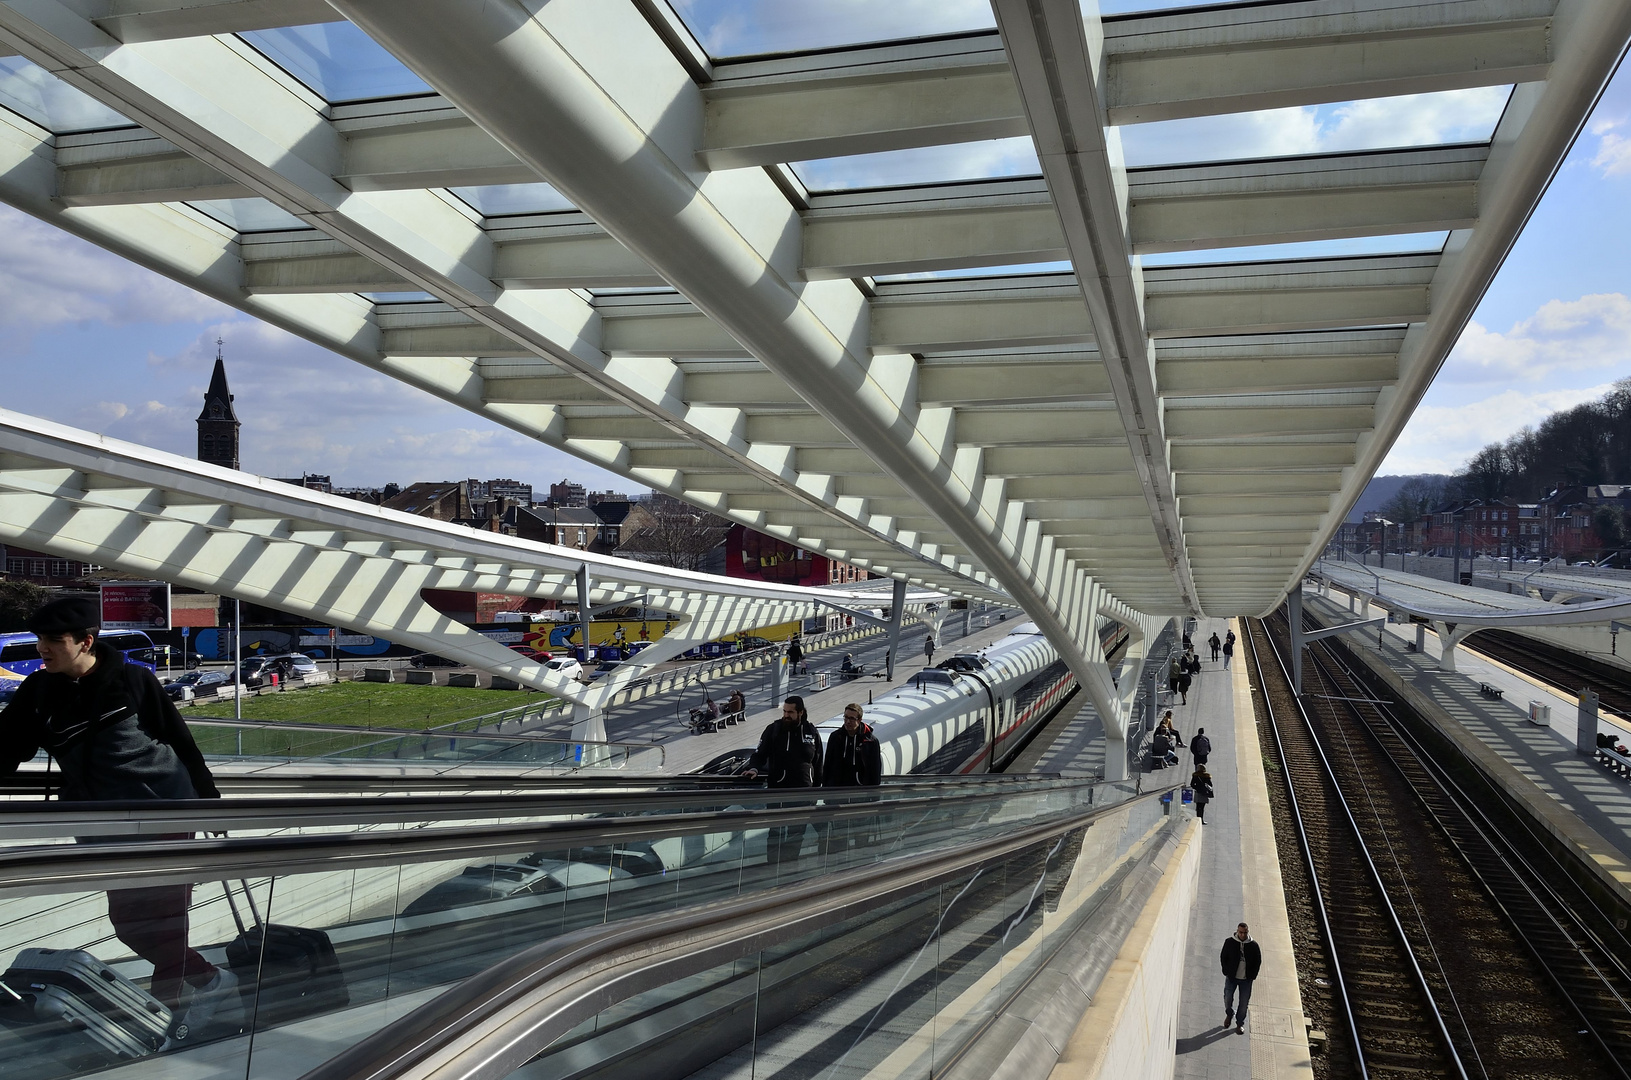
x=136, y=605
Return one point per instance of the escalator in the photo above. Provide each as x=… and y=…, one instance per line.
x=712, y=929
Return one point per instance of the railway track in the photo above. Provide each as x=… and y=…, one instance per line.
x=1453, y=951
x=1554, y=667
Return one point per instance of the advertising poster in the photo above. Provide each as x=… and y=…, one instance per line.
x=136, y=605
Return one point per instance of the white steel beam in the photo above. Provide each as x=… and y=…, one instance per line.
x=266, y=133
x=565, y=108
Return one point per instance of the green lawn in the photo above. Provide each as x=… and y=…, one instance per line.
x=358, y=704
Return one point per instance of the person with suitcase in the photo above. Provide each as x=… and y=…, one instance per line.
x=115, y=734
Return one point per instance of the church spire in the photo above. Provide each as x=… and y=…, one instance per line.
x=218, y=423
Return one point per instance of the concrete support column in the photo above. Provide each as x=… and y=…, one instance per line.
x=1421, y=637
x=895, y=608
x=584, y=618
x=589, y=726
x=1294, y=617
x=1585, y=737
x=1448, y=638
x=778, y=680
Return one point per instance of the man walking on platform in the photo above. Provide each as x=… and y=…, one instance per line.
x=1241, y=959
x=1217, y=646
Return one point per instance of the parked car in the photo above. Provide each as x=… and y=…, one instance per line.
x=631, y=648
x=505, y=881
x=605, y=667
x=197, y=682
x=425, y=660
x=566, y=666
x=538, y=655
x=749, y=642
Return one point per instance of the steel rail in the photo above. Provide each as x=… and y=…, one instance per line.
x=1375, y=873
x=44, y=869
x=1339, y=981
x=1533, y=883
x=495, y=1021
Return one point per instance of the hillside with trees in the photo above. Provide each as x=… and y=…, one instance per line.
x=1588, y=444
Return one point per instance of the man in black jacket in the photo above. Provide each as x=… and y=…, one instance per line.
x=789, y=752
x=1241, y=959
x=789, y=755
x=116, y=735
x=854, y=758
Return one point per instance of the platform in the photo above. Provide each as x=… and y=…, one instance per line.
x=1578, y=801
x=1239, y=882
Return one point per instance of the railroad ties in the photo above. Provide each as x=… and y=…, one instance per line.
x=1450, y=940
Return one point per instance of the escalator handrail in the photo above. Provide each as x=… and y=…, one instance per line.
x=145, y=816
x=53, y=868
x=495, y=1021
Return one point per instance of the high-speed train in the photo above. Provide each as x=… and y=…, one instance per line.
x=971, y=713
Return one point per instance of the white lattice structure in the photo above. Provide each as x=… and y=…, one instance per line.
x=1174, y=439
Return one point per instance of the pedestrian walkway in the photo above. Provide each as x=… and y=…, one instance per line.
x=1578, y=800
x=686, y=752
x=1239, y=882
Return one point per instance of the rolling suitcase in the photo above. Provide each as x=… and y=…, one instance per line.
x=286, y=972
x=46, y=1031
x=96, y=986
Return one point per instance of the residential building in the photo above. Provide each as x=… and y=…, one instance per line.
x=567, y=493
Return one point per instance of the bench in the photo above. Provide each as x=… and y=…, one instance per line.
x=1495, y=693
x=1620, y=763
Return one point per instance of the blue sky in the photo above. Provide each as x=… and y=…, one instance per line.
x=89, y=339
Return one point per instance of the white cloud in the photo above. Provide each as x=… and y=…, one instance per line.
x=49, y=278
x=1373, y=123
x=1613, y=154
x=1440, y=439
x=305, y=409
x=1587, y=334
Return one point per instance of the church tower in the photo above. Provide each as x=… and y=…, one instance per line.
x=218, y=424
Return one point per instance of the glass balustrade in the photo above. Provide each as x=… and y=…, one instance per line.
x=327, y=938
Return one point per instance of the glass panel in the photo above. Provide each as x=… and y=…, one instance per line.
x=38, y=95
x=316, y=960
x=337, y=61
x=497, y=200
x=249, y=215
x=1449, y=116
x=728, y=28
x=1404, y=243
x=397, y=297
x=1062, y=267
x=923, y=165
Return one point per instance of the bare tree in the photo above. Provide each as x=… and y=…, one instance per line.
x=669, y=532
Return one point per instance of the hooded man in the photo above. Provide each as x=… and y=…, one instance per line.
x=854, y=758
x=1241, y=959
x=115, y=734
x=789, y=754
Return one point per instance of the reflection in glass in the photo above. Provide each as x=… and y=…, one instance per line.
x=1397, y=244
x=730, y=28
x=497, y=200
x=1449, y=116
x=249, y=215
x=337, y=61
x=922, y=165
x=38, y=95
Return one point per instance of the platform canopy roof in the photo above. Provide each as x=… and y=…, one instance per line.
x=901, y=283
x=1466, y=605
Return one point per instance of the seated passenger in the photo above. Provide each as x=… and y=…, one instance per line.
x=848, y=666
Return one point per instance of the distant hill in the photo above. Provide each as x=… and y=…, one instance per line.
x=1383, y=488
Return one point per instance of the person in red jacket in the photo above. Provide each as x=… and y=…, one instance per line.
x=853, y=758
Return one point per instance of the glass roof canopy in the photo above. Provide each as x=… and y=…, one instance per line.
x=1281, y=259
